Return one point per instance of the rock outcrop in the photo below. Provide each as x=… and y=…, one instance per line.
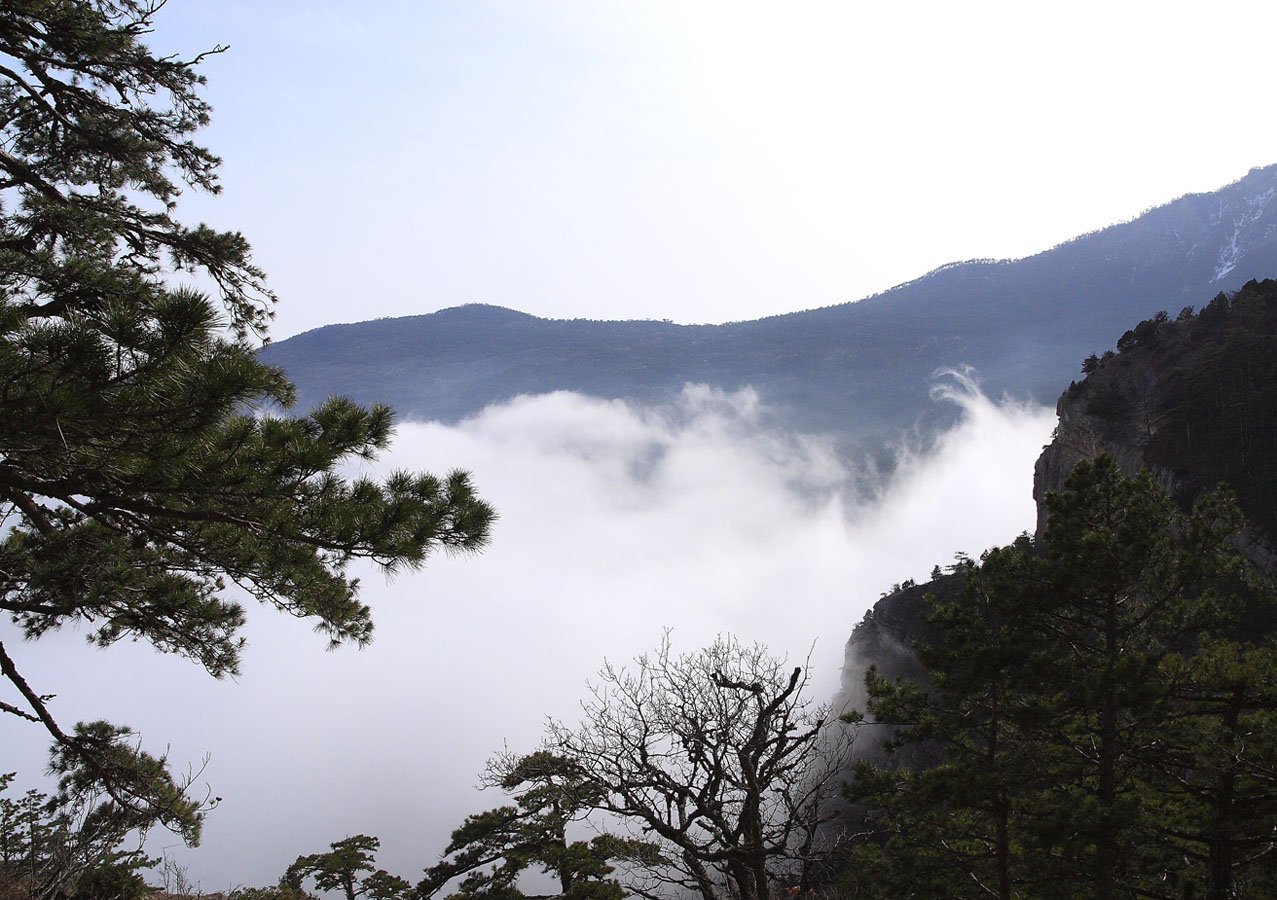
x=1081, y=434
x=1193, y=400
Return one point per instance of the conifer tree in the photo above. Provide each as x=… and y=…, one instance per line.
x=1102, y=730
x=137, y=484
x=1212, y=772
x=951, y=820
x=492, y=849
x=51, y=849
x=341, y=868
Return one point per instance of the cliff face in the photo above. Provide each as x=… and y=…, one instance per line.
x=884, y=639
x=1192, y=399
x=1081, y=434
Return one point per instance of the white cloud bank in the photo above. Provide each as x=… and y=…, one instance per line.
x=616, y=522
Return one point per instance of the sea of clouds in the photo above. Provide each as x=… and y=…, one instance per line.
x=616, y=523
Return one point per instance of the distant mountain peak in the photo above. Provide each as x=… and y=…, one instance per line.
x=859, y=370
x=483, y=312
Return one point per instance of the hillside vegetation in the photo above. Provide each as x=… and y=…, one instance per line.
x=1196, y=393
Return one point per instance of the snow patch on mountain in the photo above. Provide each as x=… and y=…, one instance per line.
x=1231, y=252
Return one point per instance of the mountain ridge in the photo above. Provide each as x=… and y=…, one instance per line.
x=861, y=370
x=973, y=261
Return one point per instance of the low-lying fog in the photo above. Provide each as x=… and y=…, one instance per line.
x=616, y=523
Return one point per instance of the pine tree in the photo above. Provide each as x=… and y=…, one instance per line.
x=1212, y=771
x=341, y=868
x=492, y=849
x=949, y=824
x=1101, y=730
x=1126, y=585
x=49, y=849
x=138, y=478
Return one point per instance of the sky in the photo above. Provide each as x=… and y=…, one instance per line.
x=699, y=161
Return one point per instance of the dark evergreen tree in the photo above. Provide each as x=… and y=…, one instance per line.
x=341, y=868
x=492, y=849
x=136, y=481
x=53, y=849
x=949, y=830
x=1101, y=731
x=1213, y=770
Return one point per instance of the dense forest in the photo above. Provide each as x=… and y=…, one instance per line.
x=1092, y=723
x=1195, y=392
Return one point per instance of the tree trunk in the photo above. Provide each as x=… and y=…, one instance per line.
x=1003, y=850
x=1001, y=806
x=1223, y=816
x=1106, y=851
x=703, y=881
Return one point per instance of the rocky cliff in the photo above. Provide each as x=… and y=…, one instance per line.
x=1192, y=399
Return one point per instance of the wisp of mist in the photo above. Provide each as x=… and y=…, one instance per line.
x=616, y=522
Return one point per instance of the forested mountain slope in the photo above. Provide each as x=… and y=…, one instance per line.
x=1191, y=397
x=861, y=369
x=1089, y=712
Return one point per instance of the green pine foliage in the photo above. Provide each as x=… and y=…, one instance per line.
x=52, y=848
x=1196, y=393
x=1100, y=730
x=1214, y=771
x=139, y=479
x=342, y=867
x=492, y=849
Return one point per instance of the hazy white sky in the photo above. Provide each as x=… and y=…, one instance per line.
x=701, y=161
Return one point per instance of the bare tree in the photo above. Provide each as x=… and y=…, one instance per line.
x=720, y=758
